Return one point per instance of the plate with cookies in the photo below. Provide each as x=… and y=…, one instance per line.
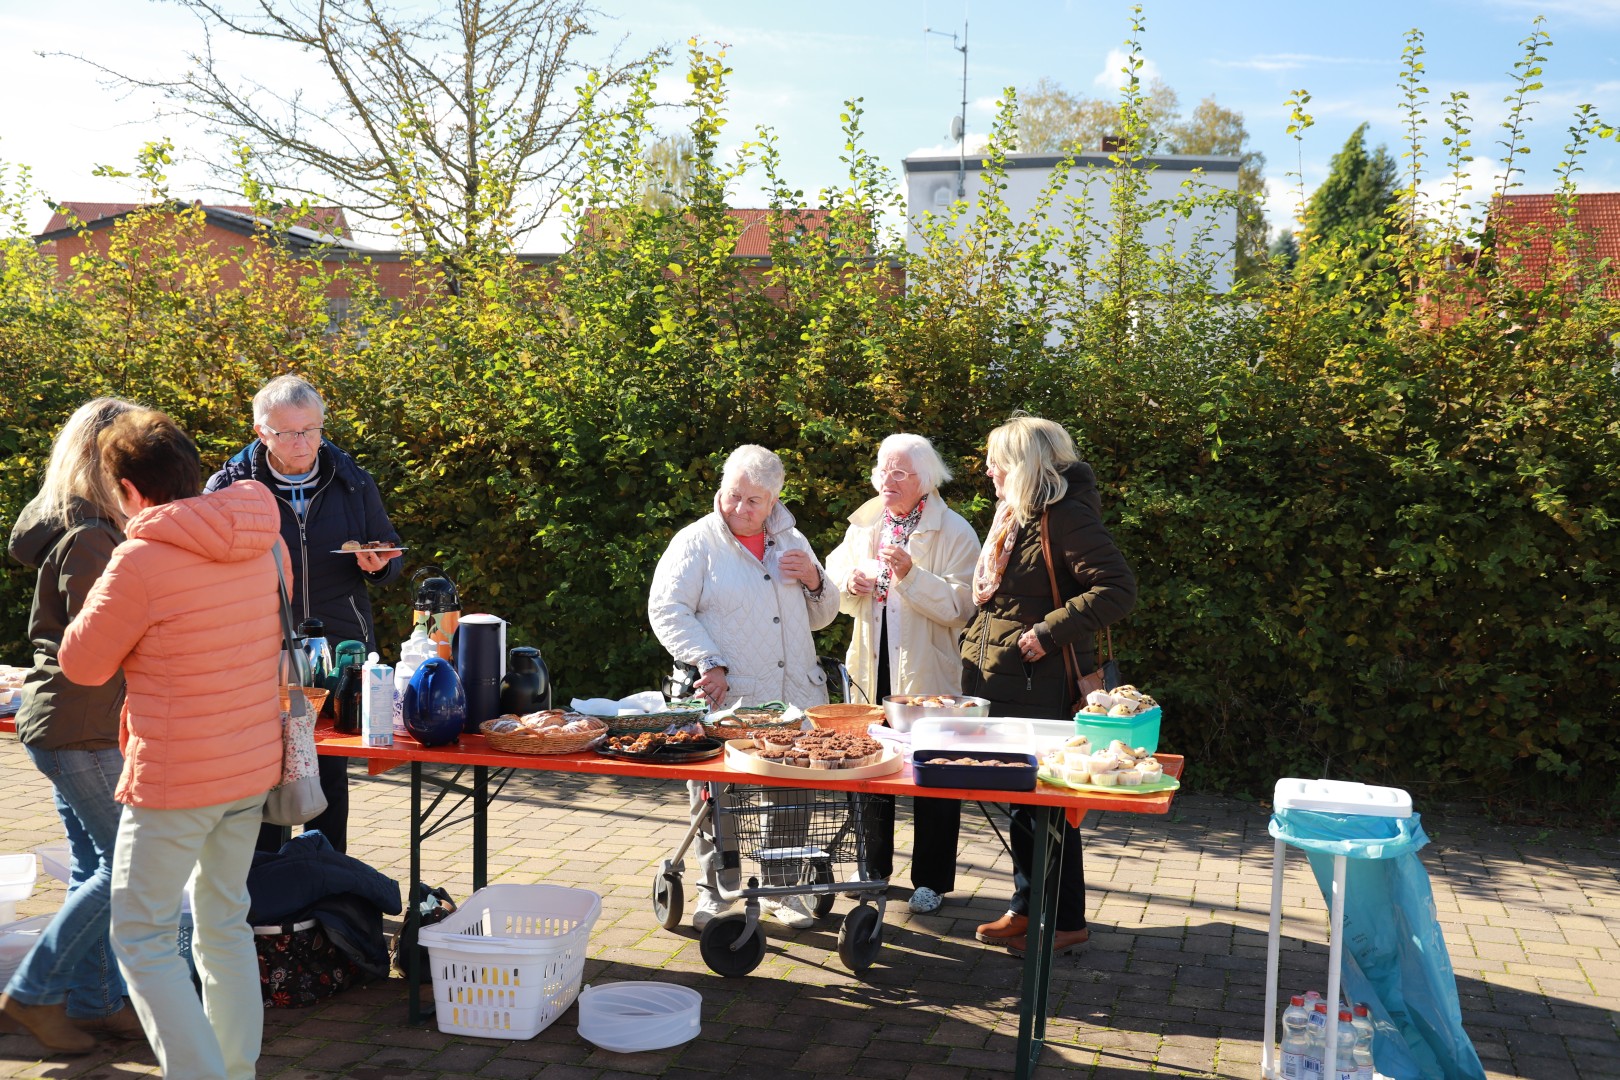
x=376, y=547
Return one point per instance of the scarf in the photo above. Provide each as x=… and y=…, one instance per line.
x=998, y=547
x=295, y=489
x=895, y=532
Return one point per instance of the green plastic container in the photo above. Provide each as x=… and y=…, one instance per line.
x=1134, y=731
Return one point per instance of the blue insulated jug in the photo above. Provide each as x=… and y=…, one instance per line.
x=435, y=706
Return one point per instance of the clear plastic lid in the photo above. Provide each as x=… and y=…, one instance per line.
x=973, y=733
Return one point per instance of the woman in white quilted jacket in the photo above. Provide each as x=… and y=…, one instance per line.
x=737, y=595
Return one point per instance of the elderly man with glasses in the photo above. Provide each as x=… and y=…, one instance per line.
x=325, y=499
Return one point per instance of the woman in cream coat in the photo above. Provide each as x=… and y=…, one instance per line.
x=905, y=575
x=737, y=594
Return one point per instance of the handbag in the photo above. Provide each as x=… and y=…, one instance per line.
x=299, y=965
x=1106, y=677
x=433, y=905
x=298, y=796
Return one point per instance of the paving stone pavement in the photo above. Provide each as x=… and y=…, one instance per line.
x=1172, y=983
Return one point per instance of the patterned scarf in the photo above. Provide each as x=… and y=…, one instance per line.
x=896, y=532
x=998, y=547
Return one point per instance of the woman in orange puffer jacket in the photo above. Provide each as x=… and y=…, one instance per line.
x=188, y=608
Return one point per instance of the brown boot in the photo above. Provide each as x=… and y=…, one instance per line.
x=49, y=1024
x=1010, y=925
x=123, y=1024
x=1064, y=941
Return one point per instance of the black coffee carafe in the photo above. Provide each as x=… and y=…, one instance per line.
x=347, y=713
x=526, y=687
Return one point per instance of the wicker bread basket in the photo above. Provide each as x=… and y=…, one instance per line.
x=315, y=694
x=636, y=723
x=853, y=717
x=543, y=742
x=746, y=720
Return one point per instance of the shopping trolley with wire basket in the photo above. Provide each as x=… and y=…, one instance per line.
x=801, y=840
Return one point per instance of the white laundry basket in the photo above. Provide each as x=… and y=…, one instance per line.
x=509, y=961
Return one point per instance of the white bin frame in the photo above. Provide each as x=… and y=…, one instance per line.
x=1335, y=797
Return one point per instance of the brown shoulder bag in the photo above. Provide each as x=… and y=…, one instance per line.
x=1106, y=677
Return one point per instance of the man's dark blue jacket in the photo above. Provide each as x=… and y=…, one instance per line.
x=345, y=506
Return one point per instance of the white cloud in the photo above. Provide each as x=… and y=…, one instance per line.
x=1112, y=76
x=976, y=144
x=1598, y=11
x=1291, y=62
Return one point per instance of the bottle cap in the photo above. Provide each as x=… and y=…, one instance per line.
x=1321, y=1007
x=1297, y=1000
x=1362, y=1010
x=1344, y=1016
x=371, y=658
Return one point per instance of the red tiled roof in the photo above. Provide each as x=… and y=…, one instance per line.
x=324, y=218
x=754, y=232
x=1526, y=226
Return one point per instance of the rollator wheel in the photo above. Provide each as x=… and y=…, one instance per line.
x=668, y=898
x=822, y=874
x=860, y=938
x=717, y=941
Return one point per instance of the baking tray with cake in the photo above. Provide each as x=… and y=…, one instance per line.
x=987, y=770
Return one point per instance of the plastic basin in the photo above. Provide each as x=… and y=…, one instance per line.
x=630, y=1017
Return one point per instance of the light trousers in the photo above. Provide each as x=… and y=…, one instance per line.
x=158, y=851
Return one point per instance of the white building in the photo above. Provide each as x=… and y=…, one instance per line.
x=932, y=181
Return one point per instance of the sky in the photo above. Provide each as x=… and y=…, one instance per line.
x=795, y=64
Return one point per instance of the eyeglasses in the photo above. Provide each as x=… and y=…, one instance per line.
x=307, y=435
x=899, y=476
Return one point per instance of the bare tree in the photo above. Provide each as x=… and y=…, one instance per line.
x=460, y=124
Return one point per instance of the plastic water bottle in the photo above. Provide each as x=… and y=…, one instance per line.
x=1364, y=1042
x=1296, y=1038
x=1344, y=1060
x=1316, y=1042
x=418, y=647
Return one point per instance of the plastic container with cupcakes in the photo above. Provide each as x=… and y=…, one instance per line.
x=1124, y=713
x=550, y=731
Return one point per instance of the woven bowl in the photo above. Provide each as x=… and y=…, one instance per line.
x=748, y=720
x=315, y=694
x=853, y=717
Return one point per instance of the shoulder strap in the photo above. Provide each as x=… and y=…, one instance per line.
x=290, y=653
x=1071, y=662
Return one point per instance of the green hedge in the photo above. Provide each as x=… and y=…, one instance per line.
x=1370, y=543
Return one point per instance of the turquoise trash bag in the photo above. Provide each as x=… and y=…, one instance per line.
x=1395, y=955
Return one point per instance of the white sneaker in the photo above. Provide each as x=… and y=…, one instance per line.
x=709, y=906
x=924, y=901
x=790, y=911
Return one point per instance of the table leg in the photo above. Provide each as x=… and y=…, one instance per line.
x=1043, y=889
x=480, y=868
x=413, y=917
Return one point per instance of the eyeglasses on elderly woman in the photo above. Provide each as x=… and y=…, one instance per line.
x=899, y=476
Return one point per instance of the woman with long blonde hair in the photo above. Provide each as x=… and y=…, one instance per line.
x=1047, y=536
x=68, y=987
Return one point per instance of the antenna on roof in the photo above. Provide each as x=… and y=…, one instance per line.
x=959, y=123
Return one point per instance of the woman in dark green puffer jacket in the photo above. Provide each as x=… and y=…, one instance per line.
x=1012, y=649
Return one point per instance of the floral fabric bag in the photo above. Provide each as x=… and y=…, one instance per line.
x=299, y=965
x=298, y=796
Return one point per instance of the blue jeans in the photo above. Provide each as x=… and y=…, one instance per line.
x=72, y=960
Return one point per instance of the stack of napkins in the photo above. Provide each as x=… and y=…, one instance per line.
x=648, y=701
